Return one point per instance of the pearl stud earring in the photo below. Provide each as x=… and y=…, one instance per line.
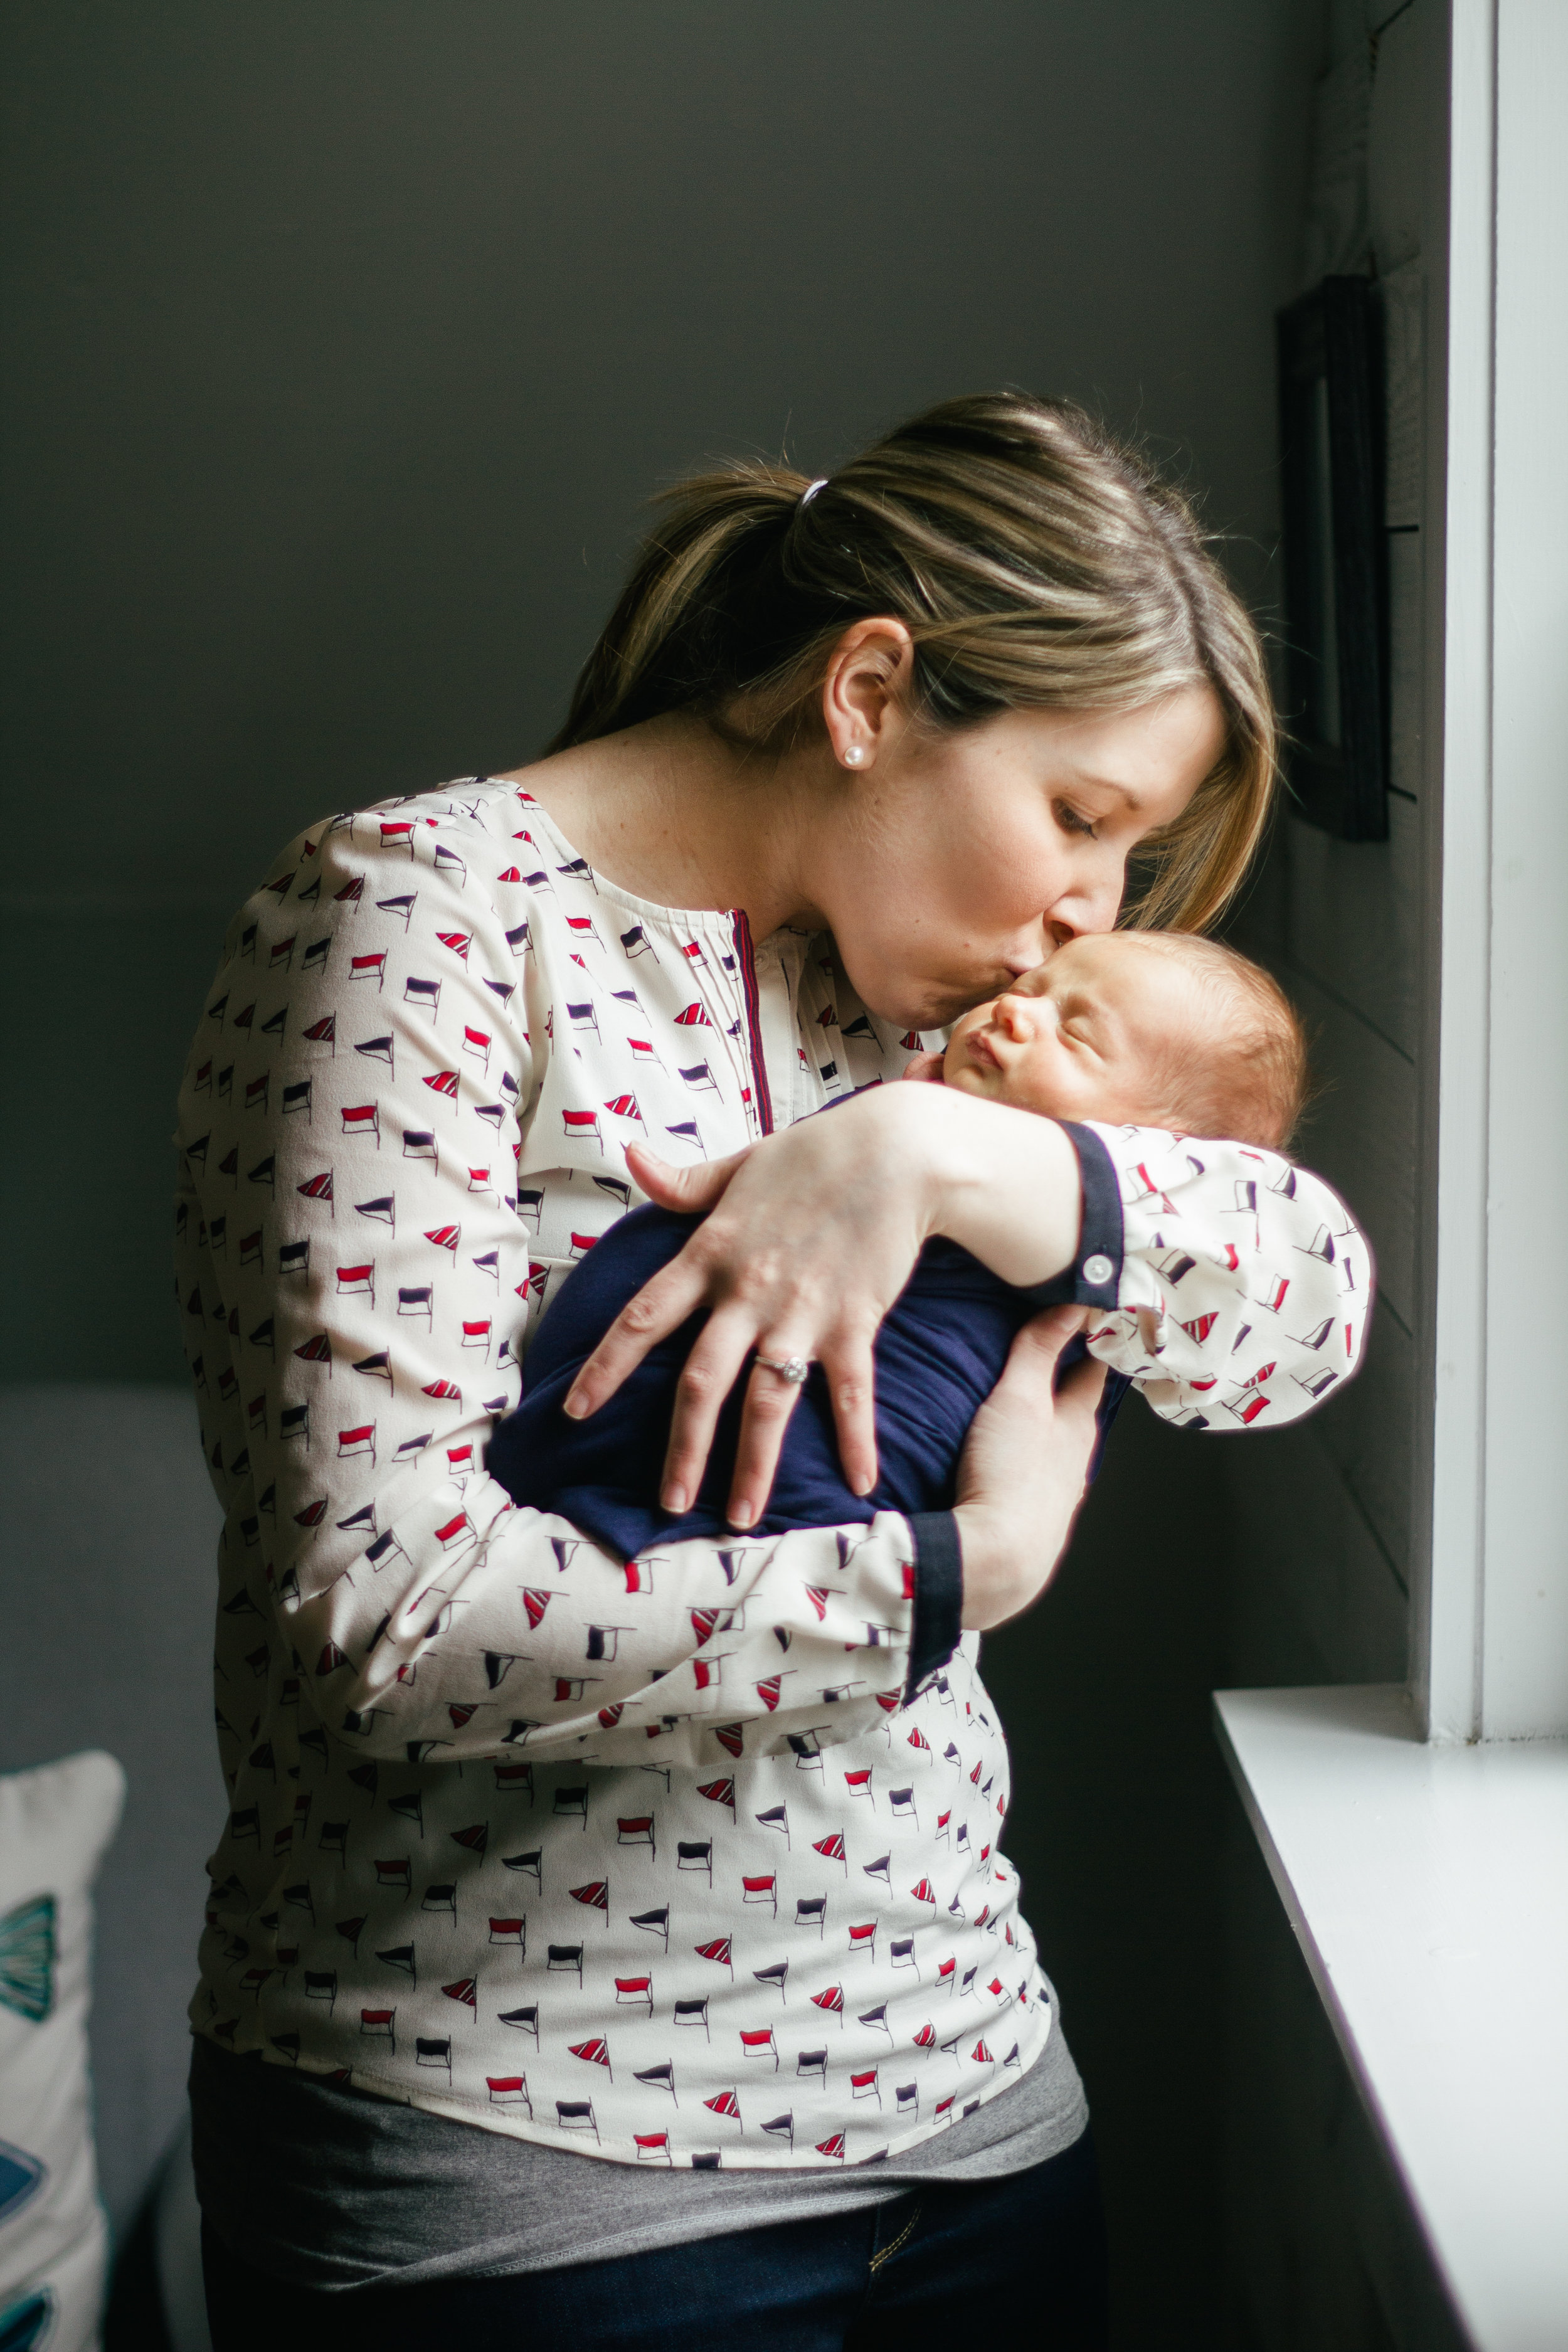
x=854, y=754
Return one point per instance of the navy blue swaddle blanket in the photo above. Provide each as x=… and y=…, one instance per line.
x=940, y=1352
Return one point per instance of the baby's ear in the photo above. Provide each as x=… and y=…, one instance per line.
x=927, y=1068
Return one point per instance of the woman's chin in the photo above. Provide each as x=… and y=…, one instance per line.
x=936, y=1007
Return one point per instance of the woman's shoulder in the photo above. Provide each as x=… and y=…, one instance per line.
x=454, y=829
x=409, y=860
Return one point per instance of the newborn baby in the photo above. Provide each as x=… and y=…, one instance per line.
x=1128, y=1028
x=1138, y=1029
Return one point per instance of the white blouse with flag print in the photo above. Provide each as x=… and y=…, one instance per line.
x=653, y=1859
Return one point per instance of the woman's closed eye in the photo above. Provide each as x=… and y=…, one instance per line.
x=1072, y=821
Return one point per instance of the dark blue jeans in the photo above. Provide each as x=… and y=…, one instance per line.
x=1021, y=2257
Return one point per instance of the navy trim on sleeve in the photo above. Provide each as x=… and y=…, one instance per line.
x=939, y=1595
x=1094, y=1279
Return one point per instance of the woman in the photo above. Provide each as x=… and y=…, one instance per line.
x=689, y=1863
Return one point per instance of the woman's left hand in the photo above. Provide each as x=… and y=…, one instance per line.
x=1021, y=1479
x=808, y=1239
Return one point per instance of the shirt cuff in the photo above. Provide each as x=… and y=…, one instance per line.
x=1094, y=1279
x=939, y=1595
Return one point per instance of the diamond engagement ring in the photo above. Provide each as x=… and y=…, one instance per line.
x=793, y=1369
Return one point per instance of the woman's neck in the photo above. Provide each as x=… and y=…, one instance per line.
x=672, y=813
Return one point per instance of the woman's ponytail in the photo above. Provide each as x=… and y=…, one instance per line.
x=677, y=638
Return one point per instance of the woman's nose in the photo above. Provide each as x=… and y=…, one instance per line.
x=1091, y=904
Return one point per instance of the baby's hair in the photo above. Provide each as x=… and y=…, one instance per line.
x=1245, y=1078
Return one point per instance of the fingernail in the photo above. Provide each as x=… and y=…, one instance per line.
x=742, y=1515
x=675, y=1498
x=862, y=1485
x=576, y=1406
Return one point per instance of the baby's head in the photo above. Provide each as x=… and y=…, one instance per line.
x=1142, y=1028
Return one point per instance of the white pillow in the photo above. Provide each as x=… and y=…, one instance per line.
x=56, y=1824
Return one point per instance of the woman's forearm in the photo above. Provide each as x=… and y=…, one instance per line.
x=1004, y=1183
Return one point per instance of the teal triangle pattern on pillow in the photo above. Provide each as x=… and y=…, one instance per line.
x=26, y=2322
x=21, y=2176
x=28, y=1963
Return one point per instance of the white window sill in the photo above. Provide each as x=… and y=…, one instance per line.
x=1428, y=1888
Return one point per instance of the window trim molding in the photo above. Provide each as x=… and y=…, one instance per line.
x=1490, y=1617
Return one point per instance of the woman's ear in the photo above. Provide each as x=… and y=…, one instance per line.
x=866, y=690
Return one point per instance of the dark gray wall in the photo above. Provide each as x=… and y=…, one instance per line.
x=1326, y=1520
x=350, y=339
x=1116, y=1827
x=346, y=341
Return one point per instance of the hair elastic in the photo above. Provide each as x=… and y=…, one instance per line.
x=808, y=495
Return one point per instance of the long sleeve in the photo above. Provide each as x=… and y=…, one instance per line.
x=1238, y=1285
x=355, y=1276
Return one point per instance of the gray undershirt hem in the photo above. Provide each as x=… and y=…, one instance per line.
x=336, y=2189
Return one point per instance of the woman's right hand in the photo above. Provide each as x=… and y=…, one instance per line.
x=1021, y=1478
x=808, y=1239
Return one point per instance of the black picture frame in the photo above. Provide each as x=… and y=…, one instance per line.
x=1336, y=550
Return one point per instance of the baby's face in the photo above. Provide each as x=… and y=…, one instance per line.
x=1084, y=1036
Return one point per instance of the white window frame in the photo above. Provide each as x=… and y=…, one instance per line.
x=1490, y=1617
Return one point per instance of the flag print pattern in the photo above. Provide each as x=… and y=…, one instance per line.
x=651, y=1859
x=1253, y=1332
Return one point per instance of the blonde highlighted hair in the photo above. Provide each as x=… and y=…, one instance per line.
x=1036, y=564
